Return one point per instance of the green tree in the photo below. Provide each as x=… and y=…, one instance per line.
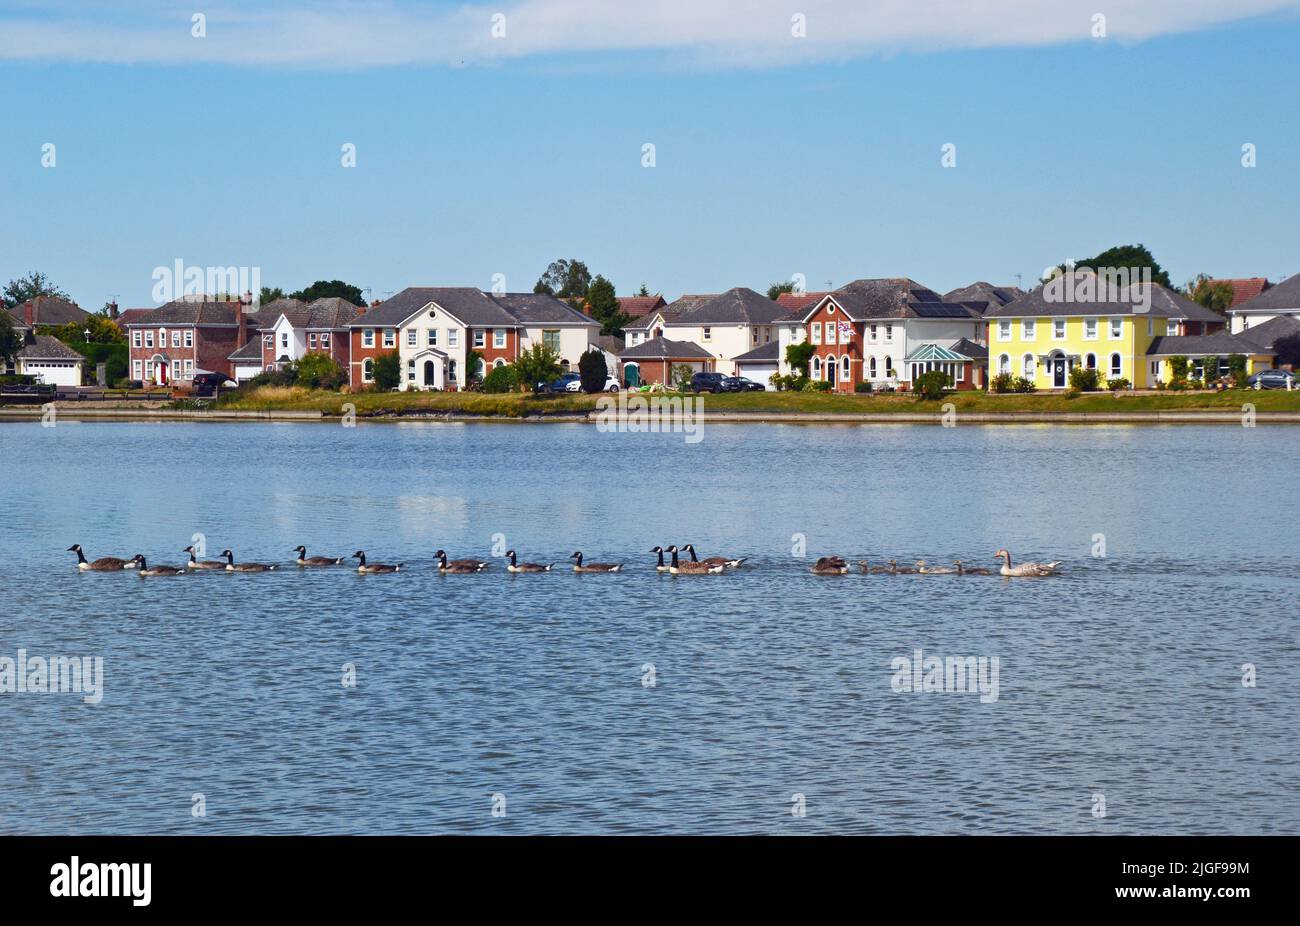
x=29, y=287
x=1132, y=256
x=10, y=341
x=565, y=279
x=931, y=385
x=777, y=289
x=387, y=370
x=318, y=371
x=473, y=359
x=593, y=370
x=799, y=356
x=269, y=294
x=501, y=379
x=538, y=364
x=644, y=290
x=603, y=302
x=325, y=289
x=1215, y=296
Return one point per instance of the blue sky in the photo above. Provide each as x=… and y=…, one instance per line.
x=768, y=162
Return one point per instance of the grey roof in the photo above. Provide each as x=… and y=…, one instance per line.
x=1220, y=344
x=184, y=312
x=541, y=309
x=609, y=343
x=894, y=297
x=47, y=347
x=466, y=303
x=984, y=292
x=770, y=351
x=737, y=306
x=1057, y=301
x=664, y=349
x=14, y=320
x=48, y=310
x=1282, y=297
x=1272, y=331
x=252, y=350
x=968, y=348
x=328, y=313
x=670, y=312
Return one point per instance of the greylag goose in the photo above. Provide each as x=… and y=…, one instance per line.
x=373, y=567
x=660, y=566
x=897, y=570
x=305, y=560
x=232, y=566
x=963, y=570
x=445, y=564
x=830, y=566
x=592, y=567
x=1025, y=569
x=145, y=569
x=867, y=568
x=196, y=563
x=692, y=567
x=729, y=562
x=925, y=570
x=516, y=566
x=103, y=564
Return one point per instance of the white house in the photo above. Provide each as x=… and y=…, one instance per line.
x=44, y=357
x=1280, y=301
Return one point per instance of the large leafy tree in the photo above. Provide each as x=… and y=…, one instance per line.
x=538, y=364
x=565, y=279
x=603, y=303
x=325, y=289
x=270, y=294
x=1132, y=256
x=29, y=287
x=1215, y=296
x=777, y=289
x=387, y=369
x=10, y=342
x=799, y=356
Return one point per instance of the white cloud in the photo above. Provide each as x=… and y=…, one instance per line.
x=727, y=33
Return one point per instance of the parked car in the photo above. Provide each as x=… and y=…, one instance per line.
x=207, y=384
x=611, y=385
x=1272, y=379
x=561, y=384
x=745, y=384
x=712, y=382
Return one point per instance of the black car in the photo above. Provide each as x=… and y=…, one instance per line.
x=207, y=384
x=744, y=384
x=1272, y=379
x=712, y=382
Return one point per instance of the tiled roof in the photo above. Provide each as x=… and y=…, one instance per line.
x=739, y=306
x=608, y=342
x=1057, y=301
x=793, y=302
x=1284, y=296
x=894, y=297
x=636, y=306
x=664, y=349
x=183, y=312
x=771, y=352
x=47, y=347
x=669, y=312
x=471, y=306
x=1220, y=344
x=252, y=350
x=968, y=348
x=1272, y=331
x=127, y=316
x=541, y=309
x=48, y=310
x=328, y=313
x=1243, y=289
x=984, y=292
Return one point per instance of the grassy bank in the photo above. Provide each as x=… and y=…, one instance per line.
x=368, y=404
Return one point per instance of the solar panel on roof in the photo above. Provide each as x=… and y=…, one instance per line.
x=939, y=310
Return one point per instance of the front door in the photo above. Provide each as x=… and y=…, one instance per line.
x=1058, y=372
x=830, y=372
x=429, y=381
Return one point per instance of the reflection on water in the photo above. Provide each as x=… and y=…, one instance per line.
x=1121, y=678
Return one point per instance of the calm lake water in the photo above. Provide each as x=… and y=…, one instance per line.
x=1121, y=679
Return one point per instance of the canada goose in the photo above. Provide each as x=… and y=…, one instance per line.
x=897, y=570
x=444, y=564
x=232, y=566
x=103, y=564
x=925, y=570
x=138, y=559
x=1025, y=569
x=374, y=567
x=733, y=563
x=305, y=560
x=964, y=571
x=873, y=570
x=830, y=566
x=592, y=567
x=692, y=567
x=516, y=566
x=660, y=566
x=196, y=563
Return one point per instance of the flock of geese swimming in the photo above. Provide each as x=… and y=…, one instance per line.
x=825, y=566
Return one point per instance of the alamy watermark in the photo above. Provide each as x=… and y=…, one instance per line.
x=179, y=281
x=923, y=673
x=53, y=675
x=1130, y=285
x=654, y=414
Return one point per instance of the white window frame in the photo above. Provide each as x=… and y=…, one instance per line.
x=367, y=370
x=1004, y=329
x=390, y=337
x=889, y=334
x=498, y=338
x=830, y=332
x=845, y=372
x=1090, y=323
x=431, y=337
x=1114, y=373
x=1004, y=363
x=1059, y=329
x=1029, y=329
x=189, y=337
x=324, y=340
x=137, y=370
x=873, y=334
x=1111, y=324
x=148, y=339
x=412, y=338
x=368, y=338
x=176, y=338
x=453, y=337
x=815, y=332
x=480, y=337
x=137, y=339
x=1028, y=366
x=706, y=333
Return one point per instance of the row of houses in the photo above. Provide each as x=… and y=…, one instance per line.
x=882, y=332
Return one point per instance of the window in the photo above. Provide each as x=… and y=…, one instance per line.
x=1090, y=361
x=499, y=362
x=189, y=369
x=390, y=337
x=708, y=334
x=325, y=340
x=410, y=371
x=162, y=337
x=478, y=337
x=816, y=332
x=1155, y=369
x=284, y=340
x=137, y=367
x=412, y=337
x=1090, y=329
x=1004, y=364
x=1058, y=329
x=498, y=338
x=136, y=339
x=453, y=338
x=1004, y=330
x=1151, y=327
x=961, y=372
x=889, y=366
x=873, y=335
x=148, y=339
x=889, y=336
x=551, y=339
x=830, y=332
x=1028, y=366
x=268, y=340
x=311, y=340
x=1028, y=329
x=431, y=337
x=368, y=369
x=844, y=367
x=368, y=339
x=1116, y=365
x=1116, y=328
x=176, y=339
x=189, y=337
x=816, y=367
x=176, y=369
x=873, y=366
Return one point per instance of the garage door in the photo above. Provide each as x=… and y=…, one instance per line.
x=758, y=372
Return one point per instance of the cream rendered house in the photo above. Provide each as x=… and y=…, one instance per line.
x=727, y=325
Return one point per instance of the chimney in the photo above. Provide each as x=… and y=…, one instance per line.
x=112, y=310
x=239, y=323
x=29, y=312
x=376, y=304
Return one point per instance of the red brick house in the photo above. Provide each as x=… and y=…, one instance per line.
x=178, y=339
x=291, y=329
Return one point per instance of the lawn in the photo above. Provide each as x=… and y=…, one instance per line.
x=368, y=404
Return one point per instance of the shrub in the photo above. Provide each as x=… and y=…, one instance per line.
x=862, y=387
x=501, y=379
x=1003, y=382
x=799, y=356
x=388, y=371
x=317, y=371
x=538, y=364
x=1118, y=383
x=682, y=373
x=931, y=385
x=1083, y=379
x=472, y=361
x=1024, y=384
x=816, y=385
x=593, y=371
x=282, y=377
x=1178, y=368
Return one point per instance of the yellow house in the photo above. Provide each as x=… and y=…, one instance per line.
x=1082, y=322
x=1207, y=353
